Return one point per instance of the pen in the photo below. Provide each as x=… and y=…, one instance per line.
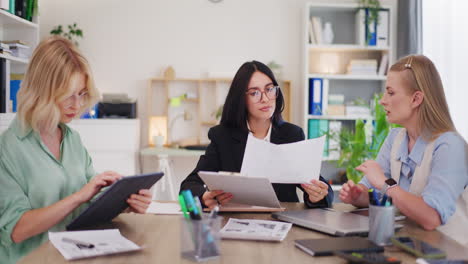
x=78, y=243
x=376, y=198
x=371, y=197
x=198, y=204
x=214, y=212
x=384, y=200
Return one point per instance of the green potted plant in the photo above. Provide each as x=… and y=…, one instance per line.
x=72, y=34
x=355, y=149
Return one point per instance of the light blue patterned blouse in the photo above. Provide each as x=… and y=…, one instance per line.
x=449, y=169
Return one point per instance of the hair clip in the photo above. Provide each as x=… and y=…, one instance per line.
x=408, y=65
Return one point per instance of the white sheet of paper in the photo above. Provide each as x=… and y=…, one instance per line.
x=297, y=162
x=164, y=208
x=246, y=190
x=105, y=242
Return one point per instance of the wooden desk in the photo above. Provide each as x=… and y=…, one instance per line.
x=160, y=235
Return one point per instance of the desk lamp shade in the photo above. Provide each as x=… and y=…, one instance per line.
x=157, y=129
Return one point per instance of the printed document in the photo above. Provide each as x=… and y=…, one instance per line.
x=297, y=162
x=251, y=229
x=85, y=244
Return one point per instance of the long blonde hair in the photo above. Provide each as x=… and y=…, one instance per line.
x=421, y=75
x=46, y=83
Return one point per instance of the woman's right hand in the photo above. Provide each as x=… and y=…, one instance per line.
x=350, y=192
x=96, y=184
x=213, y=198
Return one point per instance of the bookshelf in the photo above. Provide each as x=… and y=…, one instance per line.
x=329, y=63
x=13, y=27
x=188, y=121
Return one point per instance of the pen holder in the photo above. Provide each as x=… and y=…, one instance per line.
x=200, y=239
x=381, y=224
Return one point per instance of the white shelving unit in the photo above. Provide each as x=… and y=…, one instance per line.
x=16, y=28
x=329, y=61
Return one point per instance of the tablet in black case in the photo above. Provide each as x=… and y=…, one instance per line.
x=113, y=201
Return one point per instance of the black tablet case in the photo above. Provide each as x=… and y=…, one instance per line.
x=113, y=201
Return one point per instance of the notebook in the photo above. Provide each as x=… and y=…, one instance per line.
x=328, y=221
x=326, y=246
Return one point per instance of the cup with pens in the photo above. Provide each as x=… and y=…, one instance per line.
x=200, y=237
x=381, y=218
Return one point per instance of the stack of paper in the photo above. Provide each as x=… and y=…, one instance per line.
x=85, y=244
x=255, y=229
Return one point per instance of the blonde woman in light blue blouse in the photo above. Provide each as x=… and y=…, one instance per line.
x=46, y=174
x=427, y=158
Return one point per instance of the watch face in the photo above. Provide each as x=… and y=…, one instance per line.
x=390, y=182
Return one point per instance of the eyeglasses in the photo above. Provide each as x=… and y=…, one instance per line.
x=255, y=94
x=69, y=101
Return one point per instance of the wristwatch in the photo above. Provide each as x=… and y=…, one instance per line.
x=388, y=184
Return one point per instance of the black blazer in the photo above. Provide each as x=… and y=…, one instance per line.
x=226, y=152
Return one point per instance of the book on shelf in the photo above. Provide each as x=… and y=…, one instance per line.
x=362, y=67
x=311, y=34
x=317, y=28
x=383, y=65
x=357, y=111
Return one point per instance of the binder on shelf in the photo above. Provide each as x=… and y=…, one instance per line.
x=365, y=34
x=315, y=96
x=383, y=29
x=12, y=7
x=4, y=86
x=317, y=128
x=371, y=31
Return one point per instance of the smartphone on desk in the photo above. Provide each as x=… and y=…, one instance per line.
x=418, y=248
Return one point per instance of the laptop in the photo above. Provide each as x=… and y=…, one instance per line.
x=113, y=200
x=328, y=221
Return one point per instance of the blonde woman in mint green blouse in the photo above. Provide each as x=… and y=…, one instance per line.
x=46, y=174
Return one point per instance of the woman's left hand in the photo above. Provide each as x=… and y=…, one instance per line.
x=317, y=190
x=373, y=172
x=139, y=202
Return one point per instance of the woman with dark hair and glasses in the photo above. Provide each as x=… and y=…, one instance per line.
x=253, y=105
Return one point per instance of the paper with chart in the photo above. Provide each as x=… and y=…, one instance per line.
x=297, y=162
x=85, y=244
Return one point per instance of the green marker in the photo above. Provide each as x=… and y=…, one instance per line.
x=183, y=207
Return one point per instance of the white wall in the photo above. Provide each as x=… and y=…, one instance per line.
x=128, y=42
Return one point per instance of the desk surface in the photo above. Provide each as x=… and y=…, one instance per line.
x=159, y=235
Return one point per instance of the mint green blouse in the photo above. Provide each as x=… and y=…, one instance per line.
x=31, y=178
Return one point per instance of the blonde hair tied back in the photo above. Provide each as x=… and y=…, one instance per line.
x=421, y=75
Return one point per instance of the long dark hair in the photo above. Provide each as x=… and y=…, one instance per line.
x=235, y=107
